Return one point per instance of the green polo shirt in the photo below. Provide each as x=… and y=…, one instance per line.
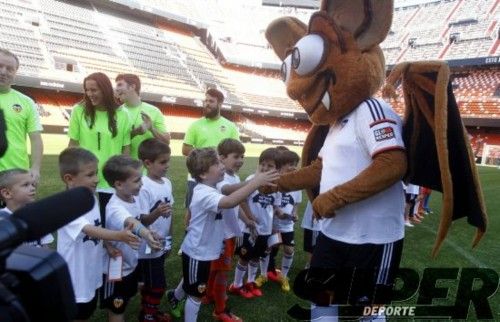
x=157, y=119
x=21, y=118
x=99, y=139
x=205, y=132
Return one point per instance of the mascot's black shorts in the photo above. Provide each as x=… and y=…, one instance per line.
x=364, y=274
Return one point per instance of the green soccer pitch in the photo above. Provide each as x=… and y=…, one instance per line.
x=455, y=253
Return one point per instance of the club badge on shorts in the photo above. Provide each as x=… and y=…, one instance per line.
x=202, y=288
x=118, y=302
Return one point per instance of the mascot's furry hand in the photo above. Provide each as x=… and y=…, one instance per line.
x=324, y=205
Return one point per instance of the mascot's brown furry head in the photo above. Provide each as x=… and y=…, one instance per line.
x=334, y=64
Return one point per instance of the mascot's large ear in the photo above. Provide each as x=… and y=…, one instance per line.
x=368, y=20
x=439, y=152
x=283, y=33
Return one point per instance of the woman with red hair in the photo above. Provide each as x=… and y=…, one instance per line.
x=100, y=126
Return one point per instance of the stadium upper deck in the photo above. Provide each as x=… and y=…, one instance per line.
x=64, y=42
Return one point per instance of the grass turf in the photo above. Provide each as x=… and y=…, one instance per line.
x=456, y=251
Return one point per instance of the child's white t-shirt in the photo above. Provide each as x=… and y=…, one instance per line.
x=231, y=221
x=117, y=211
x=151, y=194
x=308, y=221
x=261, y=206
x=288, y=201
x=83, y=254
x=205, y=232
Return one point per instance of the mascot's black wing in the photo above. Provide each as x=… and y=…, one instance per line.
x=439, y=153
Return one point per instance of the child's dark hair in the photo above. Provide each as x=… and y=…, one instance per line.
x=151, y=149
x=269, y=154
x=200, y=160
x=228, y=146
x=117, y=168
x=287, y=157
x=71, y=160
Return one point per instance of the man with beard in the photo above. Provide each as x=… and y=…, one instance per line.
x=21, y=120
x=208, y=131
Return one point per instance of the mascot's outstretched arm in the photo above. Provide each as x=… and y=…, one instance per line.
x=304, y=178
x=387, y=168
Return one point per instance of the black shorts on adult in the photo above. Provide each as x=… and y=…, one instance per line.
x=248, y=250
x=196, y=274
x=364, y=273
x=152, y=272
x=85, y=310
x=288, y=238
x=116, y=295
x=310, y=237
x=189, y=192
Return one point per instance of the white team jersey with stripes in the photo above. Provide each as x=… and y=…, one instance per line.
x=83, y=254
x=205, y=232
x=349, y=147
x=117, y=211
x=150, y=196
x=288, y=201
x=262, y=207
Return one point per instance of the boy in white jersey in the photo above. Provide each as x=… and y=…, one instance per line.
x=255, y=249
x=17, y=189
x=80, y=242
x=156, y=198
x=284, y=218
x=205, y=234
x=231, y=154
x=124, y=174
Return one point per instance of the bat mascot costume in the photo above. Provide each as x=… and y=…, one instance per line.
x=359, y=151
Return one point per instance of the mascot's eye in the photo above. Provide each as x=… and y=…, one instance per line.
x=285, y=69
x=295, y=58
x=308, y=54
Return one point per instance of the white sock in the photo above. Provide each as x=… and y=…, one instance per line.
x=286, y=263
x=239, y=274
x=324, y=313
x=179, y=293
x=252, y=271
x=191, y=309
x=264, y=263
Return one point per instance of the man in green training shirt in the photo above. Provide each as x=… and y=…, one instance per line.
x=206, y=132
x=211, y=129
x=21, y=120
x=147, y=120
